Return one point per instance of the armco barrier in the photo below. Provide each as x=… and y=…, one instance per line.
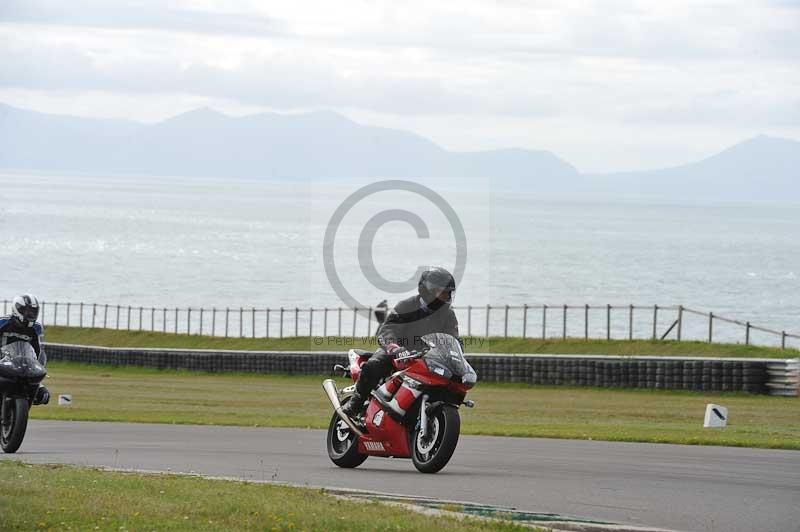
x=775, y=376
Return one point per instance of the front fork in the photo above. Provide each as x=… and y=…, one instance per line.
x=423, y=412
x=5, y=411
x=423, y=416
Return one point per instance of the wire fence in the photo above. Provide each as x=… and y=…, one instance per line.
x=526, y=321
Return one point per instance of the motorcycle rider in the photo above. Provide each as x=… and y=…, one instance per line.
x=412, y=318
x=21, y=326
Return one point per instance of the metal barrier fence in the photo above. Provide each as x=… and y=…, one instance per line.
x=526, y=321
x=764, y=376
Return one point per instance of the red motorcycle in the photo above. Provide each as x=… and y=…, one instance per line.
x=413, y=413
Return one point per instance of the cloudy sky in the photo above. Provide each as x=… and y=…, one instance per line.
x=608, y=85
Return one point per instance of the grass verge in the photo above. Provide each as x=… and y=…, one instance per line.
x=69, y=498
x=103, y=393
x=115, y=338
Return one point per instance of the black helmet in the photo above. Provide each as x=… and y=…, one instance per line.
x=25, y=309
x=435, y=281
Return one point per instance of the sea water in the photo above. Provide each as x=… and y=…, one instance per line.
x=178, y=242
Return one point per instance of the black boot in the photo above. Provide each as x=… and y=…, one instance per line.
x=354, y=406
x=378, y=366
x=42, y=396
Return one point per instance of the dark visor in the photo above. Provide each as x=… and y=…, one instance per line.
x=30, y=313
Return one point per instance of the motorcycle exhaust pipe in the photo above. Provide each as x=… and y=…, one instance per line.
x=333, y=396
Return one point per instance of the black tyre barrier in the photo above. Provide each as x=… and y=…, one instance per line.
x=711, y=375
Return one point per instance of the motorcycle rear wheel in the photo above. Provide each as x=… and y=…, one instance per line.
x=12, y=429
x=431, y=454
x=343, y=444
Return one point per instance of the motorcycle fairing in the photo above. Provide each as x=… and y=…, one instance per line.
x=20, y=371
x=385, y=436
x=356, y=357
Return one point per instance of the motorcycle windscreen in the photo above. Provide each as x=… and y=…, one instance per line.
x=446, y=351
x=18, y=361
x=18, y=350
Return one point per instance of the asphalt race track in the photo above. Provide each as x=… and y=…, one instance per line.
x=677, y=487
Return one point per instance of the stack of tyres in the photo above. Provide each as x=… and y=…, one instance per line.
x=754, y=376
x=658, y=381
x=716, y=376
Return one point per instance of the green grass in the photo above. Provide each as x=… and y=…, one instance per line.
x=68, y=498
x=114, y=338
x=102, y=393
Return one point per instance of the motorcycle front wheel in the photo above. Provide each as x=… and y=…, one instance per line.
x=432, y=452
x=343, y=444
x=13, y=424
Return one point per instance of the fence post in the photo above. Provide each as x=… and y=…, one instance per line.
x=189, y=320
x=340, y=321
x=311, y=322
x=176, y=320
x=655, y=321
x=202, y=311
x=42, y=313
x=680, y=321
x=488, y=309
x=355, y=313
x=783, y=339
x=213, y=321
x=524, y=320
x=55, y=314
x=369, y=320
x=469, y=320
x=117, y=322
x=80, y=316
x=586, y=321
x=140, y=318
x=267, y=320
x=564, y=324
x=281, y=324
x=153, y=319
x=241, y=322
x=253, y=322
x=505, y=323
x=164, y=320
x=325, y=322
x=227, y=320
x=128, y=319
x=608, y=322
x=296, y=318
x=630, y=323
x=747, y=334
x=544, y=322
x=710, y=327
x=105, y=316
x=94, y=313
x=68, y=313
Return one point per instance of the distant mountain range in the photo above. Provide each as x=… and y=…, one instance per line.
x=325, y=145
x=761, y=168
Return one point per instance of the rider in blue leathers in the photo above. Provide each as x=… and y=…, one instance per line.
x=21, y=326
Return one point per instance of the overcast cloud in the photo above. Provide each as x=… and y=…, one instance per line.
x=606, y=85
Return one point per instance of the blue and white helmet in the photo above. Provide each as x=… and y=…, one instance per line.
x=25, y=309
